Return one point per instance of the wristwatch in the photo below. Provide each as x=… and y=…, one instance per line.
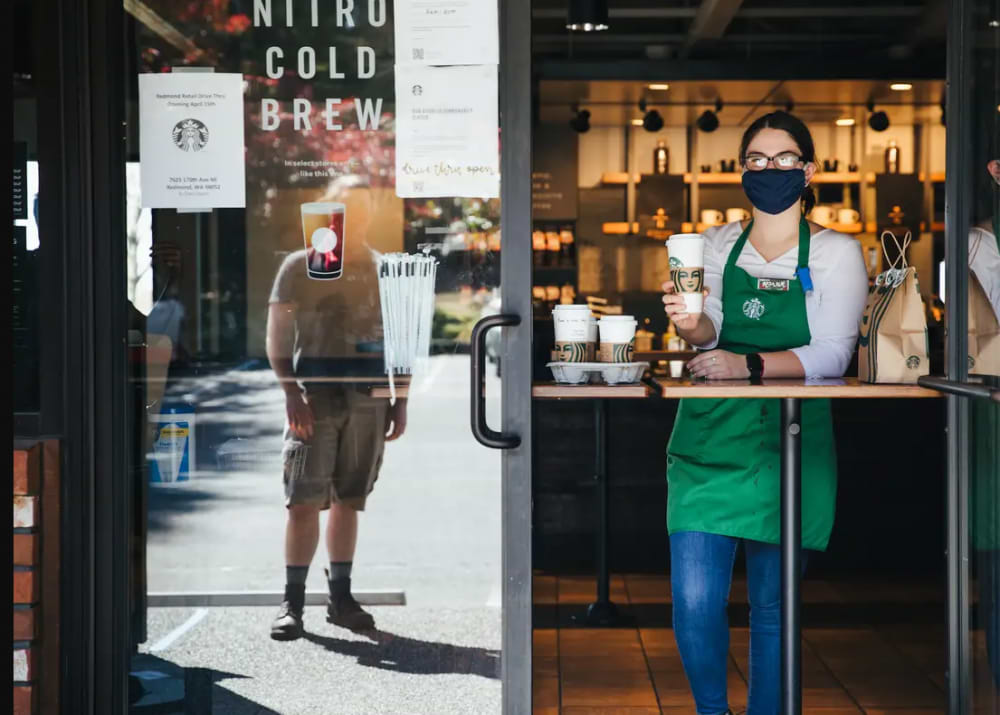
x=755, y=364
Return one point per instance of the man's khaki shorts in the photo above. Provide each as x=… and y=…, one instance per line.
x=340, y=463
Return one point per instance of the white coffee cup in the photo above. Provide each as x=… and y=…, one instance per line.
x=848, y=216
x=712, y=217
x=617, y=337
x=824, y=215
x=687, y=251
x=572, y=330
x=737, y=214
x=676, y=368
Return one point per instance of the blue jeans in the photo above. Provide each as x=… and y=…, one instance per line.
x=701, y=573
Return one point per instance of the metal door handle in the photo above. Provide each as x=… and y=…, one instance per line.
x=480, y=430
x=963, y=389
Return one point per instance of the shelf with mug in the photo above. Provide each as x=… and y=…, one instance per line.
x=937, y=227
x=837, y=177
x=715, y=177
x=618, y=178
x=853, y=228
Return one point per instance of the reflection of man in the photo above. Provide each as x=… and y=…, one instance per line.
x=688, y=280
x=335, y=434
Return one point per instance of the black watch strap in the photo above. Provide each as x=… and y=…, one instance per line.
x=755, y=364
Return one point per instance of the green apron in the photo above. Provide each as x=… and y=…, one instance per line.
x=724, y=458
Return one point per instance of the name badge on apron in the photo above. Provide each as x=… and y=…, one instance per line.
x=773, y=284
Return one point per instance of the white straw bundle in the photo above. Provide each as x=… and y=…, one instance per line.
x=406, y=292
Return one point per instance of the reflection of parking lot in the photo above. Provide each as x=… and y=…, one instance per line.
x=432, y=527
x=423, y=660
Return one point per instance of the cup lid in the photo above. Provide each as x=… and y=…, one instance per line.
x=572, y=306
x=617, y=318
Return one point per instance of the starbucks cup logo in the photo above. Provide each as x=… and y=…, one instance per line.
x=190, y=135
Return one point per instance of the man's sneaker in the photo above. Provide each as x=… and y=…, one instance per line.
x=287, y=626
x=342, y=610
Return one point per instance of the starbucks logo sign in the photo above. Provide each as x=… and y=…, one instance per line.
x=913, y=362
x=675, y=262
x=753, y=308
x=972, y=362
x=190, y=135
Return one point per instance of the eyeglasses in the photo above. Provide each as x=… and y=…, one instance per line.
x=785, y=160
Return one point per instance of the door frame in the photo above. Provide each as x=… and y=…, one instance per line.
x=958, y=192
x=516, y=274
x=83, y=115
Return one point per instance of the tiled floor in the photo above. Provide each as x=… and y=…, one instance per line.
x=850, y=668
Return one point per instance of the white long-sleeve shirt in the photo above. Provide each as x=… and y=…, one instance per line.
x=984, y=261
x=833, y=308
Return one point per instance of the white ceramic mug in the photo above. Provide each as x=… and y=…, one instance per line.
x=824, y=215
x=712, y=217
x=848, y=216
x=734, y=215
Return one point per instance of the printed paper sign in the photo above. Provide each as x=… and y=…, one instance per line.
x=191, y=140
x=446, y=32
x=447, y=132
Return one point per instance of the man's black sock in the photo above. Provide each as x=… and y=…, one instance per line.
x=296, y=575
x=340, y=569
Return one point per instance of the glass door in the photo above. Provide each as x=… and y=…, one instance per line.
x=315, y=527
x=972, y=301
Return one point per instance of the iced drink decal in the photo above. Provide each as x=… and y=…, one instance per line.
x=323, y=233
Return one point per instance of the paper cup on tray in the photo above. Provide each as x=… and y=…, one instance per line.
x=572, y=332
x=617, y=338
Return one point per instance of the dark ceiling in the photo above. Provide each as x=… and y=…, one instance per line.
x=818, y=38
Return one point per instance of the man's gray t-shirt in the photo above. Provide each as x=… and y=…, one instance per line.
x=338, y=323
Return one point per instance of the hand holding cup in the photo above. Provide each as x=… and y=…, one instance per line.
x=675, y=306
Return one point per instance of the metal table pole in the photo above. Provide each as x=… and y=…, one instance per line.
x=791, y=559
x=602, y=612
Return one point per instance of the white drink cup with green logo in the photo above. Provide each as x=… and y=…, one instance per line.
x=617, y=337
x=572, y=328
x=687, y=269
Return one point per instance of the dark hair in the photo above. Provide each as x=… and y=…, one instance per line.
x=798, y=131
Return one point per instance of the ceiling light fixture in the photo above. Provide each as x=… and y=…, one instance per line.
x=587, y=15
x=636, y=122
x=900, y=86
x=651, y=119
x=845, y=122
x=709, y=120
x=659, y=87
x=581, y=122
x=878, y=121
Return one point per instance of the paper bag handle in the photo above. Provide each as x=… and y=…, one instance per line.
x=901, y=248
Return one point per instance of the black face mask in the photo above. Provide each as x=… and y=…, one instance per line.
x=774, y=190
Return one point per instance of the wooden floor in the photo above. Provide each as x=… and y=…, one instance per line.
x=636, y=670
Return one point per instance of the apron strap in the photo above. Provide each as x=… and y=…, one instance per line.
x=996, y=226
x=805, y=236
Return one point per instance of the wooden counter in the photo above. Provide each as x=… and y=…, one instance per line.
x=847, y=387
x=558, y=391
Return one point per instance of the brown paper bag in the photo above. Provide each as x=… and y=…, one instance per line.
x=984, y=328
x=893, y=342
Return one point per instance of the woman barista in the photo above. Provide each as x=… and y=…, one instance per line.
x=984, y=492
x=784, y=298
